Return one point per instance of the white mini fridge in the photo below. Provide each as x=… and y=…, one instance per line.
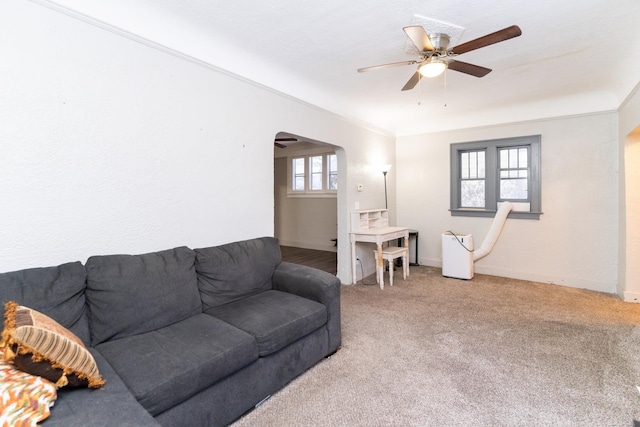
x=457, y=255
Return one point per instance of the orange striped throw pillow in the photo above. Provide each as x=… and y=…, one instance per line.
x=25, y=399
x=41, y=346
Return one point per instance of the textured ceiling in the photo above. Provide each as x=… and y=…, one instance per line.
x=573, y=56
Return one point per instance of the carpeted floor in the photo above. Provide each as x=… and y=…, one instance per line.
x=433, y=351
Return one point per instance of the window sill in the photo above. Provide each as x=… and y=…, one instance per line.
x=482, y=213
x=308, y=195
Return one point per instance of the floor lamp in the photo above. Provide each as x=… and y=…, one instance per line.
x=385, y=169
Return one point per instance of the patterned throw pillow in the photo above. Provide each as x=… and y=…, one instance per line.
x=41, y=346
x=25, y=399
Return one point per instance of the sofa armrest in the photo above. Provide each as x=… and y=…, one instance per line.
x=316, y=285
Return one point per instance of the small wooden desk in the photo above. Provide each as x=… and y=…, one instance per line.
x=378, y=236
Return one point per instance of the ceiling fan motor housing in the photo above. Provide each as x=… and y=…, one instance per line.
x=439, y=41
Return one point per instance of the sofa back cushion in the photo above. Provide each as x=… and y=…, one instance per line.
x=236, y=270
x=134, y=294
x=58, y=292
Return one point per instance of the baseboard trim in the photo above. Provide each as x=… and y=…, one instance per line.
x=632, y=297
x=541, y=278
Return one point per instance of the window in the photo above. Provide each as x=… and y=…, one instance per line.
x=485, y=173
x=472, y=179
x=313, y=175
x=315, y=165
x=514, y=173
x=332, y=172
x=298, y=174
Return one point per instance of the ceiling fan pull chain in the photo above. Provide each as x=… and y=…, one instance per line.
x=445, y=88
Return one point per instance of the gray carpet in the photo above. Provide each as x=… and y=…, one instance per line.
x=432, y=351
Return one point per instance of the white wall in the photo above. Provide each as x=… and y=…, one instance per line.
x=110, y=146
x=629, y=270
x=575, y=242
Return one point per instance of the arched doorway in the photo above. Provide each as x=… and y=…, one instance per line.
x=307, y=217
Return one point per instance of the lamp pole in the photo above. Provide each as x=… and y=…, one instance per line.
x=385, y=189
x=385, y=169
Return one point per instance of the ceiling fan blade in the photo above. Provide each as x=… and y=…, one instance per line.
x=413, y=81
x=286, y=139
x=489, y=39
x=465, y=67
x=277, y=144
x=392, y=64
x=419, y=37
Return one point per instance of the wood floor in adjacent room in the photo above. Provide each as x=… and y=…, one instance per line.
x=322, y=260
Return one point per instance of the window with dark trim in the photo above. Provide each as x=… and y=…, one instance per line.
x=485, y=173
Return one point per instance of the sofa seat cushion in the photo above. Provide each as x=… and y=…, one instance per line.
x=111, y=405
x=274, y=318
x=165, y=367
x=134, y=294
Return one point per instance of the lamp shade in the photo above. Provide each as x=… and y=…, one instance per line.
x=433, y=68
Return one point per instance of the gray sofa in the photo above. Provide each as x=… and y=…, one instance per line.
x=184, y=337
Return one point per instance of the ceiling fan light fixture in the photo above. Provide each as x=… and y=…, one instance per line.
x=432, y=68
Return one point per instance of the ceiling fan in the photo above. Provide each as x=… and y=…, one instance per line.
x=435, y=55
x=278, y=141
